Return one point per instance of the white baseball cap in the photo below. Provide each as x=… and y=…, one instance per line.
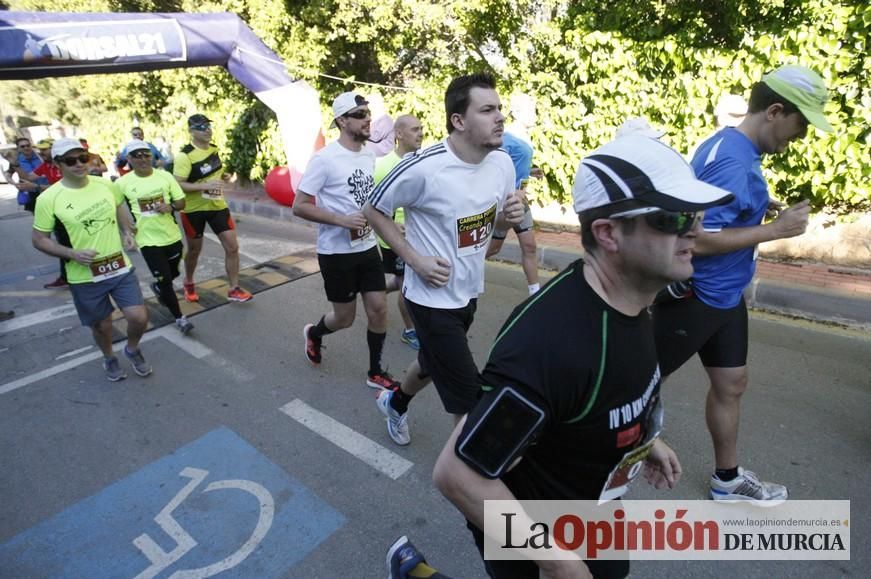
x=638, y=126
x=645, y=172
x=345, y=102
x=137, y=145
x=64, y=146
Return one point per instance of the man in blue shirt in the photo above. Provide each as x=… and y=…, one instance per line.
x=713, y=320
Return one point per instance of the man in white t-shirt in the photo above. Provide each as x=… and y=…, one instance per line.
x=340, y=177
x=454, y=194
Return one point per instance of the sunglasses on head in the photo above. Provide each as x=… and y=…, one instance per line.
x=203, y=127
x=140, y=154
x=71, y=161
x=669, y=222
x=358, y=114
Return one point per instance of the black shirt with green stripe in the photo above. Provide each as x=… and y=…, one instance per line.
x=591, y=369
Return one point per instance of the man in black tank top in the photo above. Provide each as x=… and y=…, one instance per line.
x=583, y=403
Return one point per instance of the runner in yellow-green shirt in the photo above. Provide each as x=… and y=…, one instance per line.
x=199, y=171
x=92, y=209
x=409, y=136
x=153, y=195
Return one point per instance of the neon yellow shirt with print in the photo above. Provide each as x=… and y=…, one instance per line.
x=199, y=200
x=152, y=228
x=89, y=216
x=383, y=166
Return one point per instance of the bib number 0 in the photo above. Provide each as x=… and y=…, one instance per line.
x=108, y=267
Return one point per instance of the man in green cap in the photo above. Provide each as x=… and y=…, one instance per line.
x=710, y=318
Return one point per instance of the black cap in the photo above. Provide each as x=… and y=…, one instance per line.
x=198, y=119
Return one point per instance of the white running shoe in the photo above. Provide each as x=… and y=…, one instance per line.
x=746, y=487
x=397, y=424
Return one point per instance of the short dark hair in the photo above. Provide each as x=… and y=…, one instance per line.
x=137, y=129
x=19, y=139
x=457, y=95
x=588, y=240
x=763, y=96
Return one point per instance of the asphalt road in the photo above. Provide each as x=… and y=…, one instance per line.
x=90, y=467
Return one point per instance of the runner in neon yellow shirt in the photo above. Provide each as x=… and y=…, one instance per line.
x=152, y=196
x=92, y=209
x=199, y=171
x=409, y=136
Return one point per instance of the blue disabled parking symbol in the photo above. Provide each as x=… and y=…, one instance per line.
x=216, y=505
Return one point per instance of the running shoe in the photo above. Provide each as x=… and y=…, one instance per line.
x=137, y=360
x=237, y=294
x=312, y=346
x=410, y=338
x=184, y=326
x=114, y=373
x=402, y=557
x=190, y=292
x=746, y=487
x=59, y=283
x=397, y=424
x=382, y=381
x=7, y=315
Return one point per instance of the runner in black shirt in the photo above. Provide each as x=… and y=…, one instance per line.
x=594, y=382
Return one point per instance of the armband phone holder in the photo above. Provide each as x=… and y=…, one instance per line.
x=503, y=431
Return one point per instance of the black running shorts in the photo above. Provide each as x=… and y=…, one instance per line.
x=347, y=274
x=688, y=326
x=444, y=353
x=194, y=224
x=393, y=264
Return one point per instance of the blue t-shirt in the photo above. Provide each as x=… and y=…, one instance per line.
x=729, y=160
x=29, y=165
x=521, y=155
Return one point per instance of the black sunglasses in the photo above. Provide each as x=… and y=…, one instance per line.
x=358, y=114
x=140, y=154
x=669, y=222
x=204, y=127
x=71, y=161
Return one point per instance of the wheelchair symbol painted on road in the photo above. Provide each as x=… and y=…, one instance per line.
x=161, y=559
x=214, y=506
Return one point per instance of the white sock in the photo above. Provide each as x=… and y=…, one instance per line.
x=533, y=288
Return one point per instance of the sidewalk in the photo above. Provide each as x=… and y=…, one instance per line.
x=813, y=291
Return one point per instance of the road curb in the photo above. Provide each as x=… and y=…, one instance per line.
x=816, y=304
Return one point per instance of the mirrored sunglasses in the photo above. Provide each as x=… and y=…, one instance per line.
x=669, y=222
x=203, y=127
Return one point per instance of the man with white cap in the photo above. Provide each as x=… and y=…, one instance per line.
x=153, y=195
x=92, y=209
x=568, y=392
x=713, y=320
x=340, y=178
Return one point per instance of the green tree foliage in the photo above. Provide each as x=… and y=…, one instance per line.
x=590, y=64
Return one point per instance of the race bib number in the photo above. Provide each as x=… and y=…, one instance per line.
x=215, y=194
x=632, y=462
x=148, y=205
x=360, y=236
x=109, y=267
x=473, y=231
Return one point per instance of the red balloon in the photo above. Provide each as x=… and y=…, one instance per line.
x=278, y=185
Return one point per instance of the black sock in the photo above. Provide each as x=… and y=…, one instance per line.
x=726, y=474
x=399, y=401
x=320, y=330
x=376, y=346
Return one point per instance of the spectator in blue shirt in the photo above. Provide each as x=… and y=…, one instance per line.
x=157, y=160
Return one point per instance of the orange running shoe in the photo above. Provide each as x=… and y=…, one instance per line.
x=237, y=294
x=190, y=293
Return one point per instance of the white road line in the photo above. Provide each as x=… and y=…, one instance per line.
x=40, y=317
x=347, y=439
x=187, y=344
x=72, y=353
